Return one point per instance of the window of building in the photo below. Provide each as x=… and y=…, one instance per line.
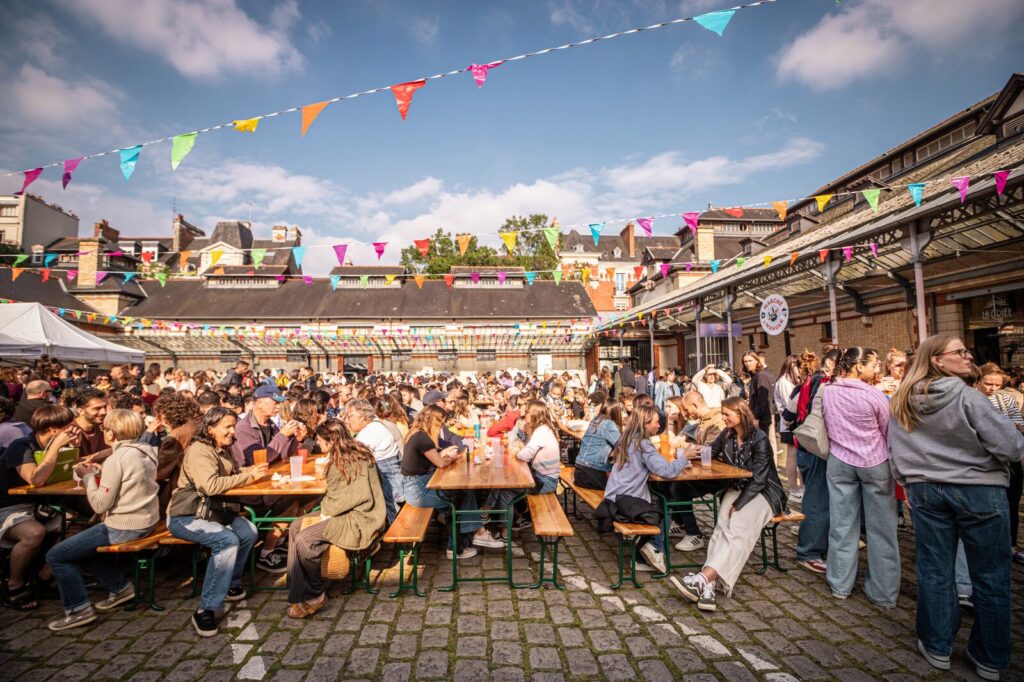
x=617, y=253
x=8, y=210
x=826, y=331
x=620, y=282
x=578, y=247
x=37, y=255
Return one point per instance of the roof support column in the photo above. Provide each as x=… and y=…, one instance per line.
x=917, y=239
x=698, y=308
x=829, y=269
x=730, y=299
x=650, y=332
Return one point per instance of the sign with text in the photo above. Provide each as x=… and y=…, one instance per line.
x=774, y=314
x=486, y=355
x=720, y=330
x=447, y=355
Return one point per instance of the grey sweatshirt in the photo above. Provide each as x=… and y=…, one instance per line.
x=961, y=439
x=127, y=488
x=631, y=479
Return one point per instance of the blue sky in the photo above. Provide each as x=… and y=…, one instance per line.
x=794, y=94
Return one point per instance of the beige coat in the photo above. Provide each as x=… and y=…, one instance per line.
x=212, y=471
x=356, y=507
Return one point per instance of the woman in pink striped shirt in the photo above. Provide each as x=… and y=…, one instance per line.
x=860, y=483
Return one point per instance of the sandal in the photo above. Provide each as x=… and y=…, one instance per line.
x=307, y=608
x=19, y=599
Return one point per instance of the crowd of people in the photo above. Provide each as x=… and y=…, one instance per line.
x=932, y=433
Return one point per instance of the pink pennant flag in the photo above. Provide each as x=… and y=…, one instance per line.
x=664, y=269
x=116, y=254
x=848, y=253
x=403, y=95
x=379, y=248
x=100, y=276
x=72, y=274
x=691, y=220
x=339, y=251
x=30, y=177
x=279, y=278
x=1001, y=177
x=70, y=166
x=874, y=249
x=475, y=276
x=501, y=277
x=689, y=266
x=308, y=279
x=962, y=184
x=645, y=224
x=479, y=71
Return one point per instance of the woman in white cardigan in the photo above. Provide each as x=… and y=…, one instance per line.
x=712, y=383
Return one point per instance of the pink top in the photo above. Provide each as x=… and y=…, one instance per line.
x=857, y=422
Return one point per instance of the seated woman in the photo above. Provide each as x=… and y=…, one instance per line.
x=592, y=464
x=193, y=514
x=352, y=513
x=422, y=455
x=19, y=530
x=541, y=449
x=125, y=492
x=745, y=509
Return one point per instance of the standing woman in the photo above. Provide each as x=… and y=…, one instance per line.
x=860, y=483
x=712, y=383
x=195, y=514
x=789, y=379
x=759, y=390
x=951, y=450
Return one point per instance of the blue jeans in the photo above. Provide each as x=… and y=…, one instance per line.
x=868, y=494
x=229, y=551
x=813, y=540
x=79, y=550
x=419, y=495
x=392, y=485
x=962, y=573
x=978, y=515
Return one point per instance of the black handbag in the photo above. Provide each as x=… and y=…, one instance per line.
x=214, y=509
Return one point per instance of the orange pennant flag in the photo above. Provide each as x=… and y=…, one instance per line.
x=822, y=199
x=792, y=258
x=403, y=95
x=823, y=254
x=183, y=260
x=463, y=240
x=419, y=280
x=449, y=280
x=15, y=273
x=309, y=114
x=781, y=207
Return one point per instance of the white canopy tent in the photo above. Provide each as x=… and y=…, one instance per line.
x=29, y=331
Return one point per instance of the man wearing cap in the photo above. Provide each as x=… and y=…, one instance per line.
x=37, y=394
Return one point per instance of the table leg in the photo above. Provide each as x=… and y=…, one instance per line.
x=453, y=526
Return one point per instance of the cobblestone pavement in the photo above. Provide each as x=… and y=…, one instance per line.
x=782, y=626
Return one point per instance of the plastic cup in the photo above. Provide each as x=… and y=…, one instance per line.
x=497, y=448
x=705, y=456
x=469, y=442
x=296, y=463
x=320, y=465
x=259, y=456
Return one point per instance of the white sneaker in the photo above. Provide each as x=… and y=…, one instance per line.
x=468, y=553
x=690, y=543
x=488, y=540
x=675, y=530
x=797, y=494
x=653, y=557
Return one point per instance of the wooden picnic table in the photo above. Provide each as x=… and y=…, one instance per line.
x=718, y=471
x=266, y=486
x=62, y=488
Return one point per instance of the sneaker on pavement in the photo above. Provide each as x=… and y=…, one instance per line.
x=74, y=620
x=935, y=660
x=814, y=566
x=488, y=540
x=676, y=531
x=691, y=586
x=707, y=598
x=235, y=594
x=797, y=494
x=272, y=563
x=1018, y=557
x=521, y=523
x=115, y=600
x=985, y=672
x=690, y=543
x=205, y=623
x=468, y=553
x=653, y=557
x=794, y=529
x=965, y=601
x=840, y=596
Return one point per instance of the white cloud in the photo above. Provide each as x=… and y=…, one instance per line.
x=424, y=29
x=38, y=100
x=875, y=38
x=201, y=39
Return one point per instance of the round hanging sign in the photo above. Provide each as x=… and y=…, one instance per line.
x=774, y=314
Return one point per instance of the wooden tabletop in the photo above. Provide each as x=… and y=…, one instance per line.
x=510, y=473
x=62, y=488
x=266, y=486
x=716, y=472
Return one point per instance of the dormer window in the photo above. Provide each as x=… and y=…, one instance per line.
x=617, y=253
x=578, y=248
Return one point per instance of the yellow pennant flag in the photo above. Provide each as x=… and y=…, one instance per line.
x=389, y=279
x=215, y=256
x=247, y=125
x=639, y=316
x=586, y=274
x=463, y=240
x=781, y=207
x=822, y=199
x=767, y=261
x=510, y=240
x=183, y=257
x=419, y=280
x=309, y=114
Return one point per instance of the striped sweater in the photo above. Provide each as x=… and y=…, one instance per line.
x=126, y=490
x=542, y=452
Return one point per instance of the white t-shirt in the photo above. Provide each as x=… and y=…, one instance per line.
x=378, y=438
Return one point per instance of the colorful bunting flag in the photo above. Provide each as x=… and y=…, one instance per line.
x=339, y=252
x=19, y=259
x=403, y=95
x=665, y=267
x=874, y=249
x=781, y=207
x=129, y=157
x=147, y=257
x=71, y=275
x=475, y=276
x=689, y=266
x=691, y=218
x=767, y=261
x=364, y=280
x=307, y=279
x=45, y=272
x=183, y=257
x=128, y=276
x=847, y=253
x=552, y=234
x=162, y=278
x=279, y=278
x=419, y=280
x=586, y=274
x=916, y=190
x=463, y=241
x=715, y=265
x=646, y=225
x=736, y=212
x=388, y=279
x=15, y=273
x=529, y=277
x=449, y=280
x=215, y=256
x=638, y=271
x=70, y=166
x=378, y=247
x=181, y=145
x=501, y=277
x=595, y=231
x=100, y=276
x=48, y=259
x=792, y=258
x=962, y=184
x=246, y=125
x=1001, y=177
x=872, y=197
x=510, y=240
x=335, y=280
x=30, y=177
x=740, y=260
x=715, y=21
x=298, y=252
x=823, y=254
x=822, y=199
x=557, y=274
x=479, y=71
x=309, y=114
x=423, y=245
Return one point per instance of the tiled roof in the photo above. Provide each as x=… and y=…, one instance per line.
x=356, y=270
x=30, y=287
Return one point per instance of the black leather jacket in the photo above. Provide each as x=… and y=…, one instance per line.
x=755, y=455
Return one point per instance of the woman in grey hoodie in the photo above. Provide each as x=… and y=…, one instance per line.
x=125, y=493
x=952, y=450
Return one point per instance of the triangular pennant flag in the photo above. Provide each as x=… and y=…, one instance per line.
x=962, y=184
x=463, y=241
x=715, y=21
x=419, y=280
x=792, y=258
x=128, y=276
x=423, y=245
x=874, y=248
x=181, y=145
x=1001, y=177
x=735, y=212
x=529, y=277
x=551, y=233
x=307, y=279
x=740, y=260
x=768, y=260
x=595, y=231
x=246, y=125
x=403, y=95
x=339, y=251
x=280, y=278
x=335, y=280
x=501, y=277
x=378, y=247
x=823, y=254
x=665, y=267
x=162, y=278
x=183, y=257
x=45, y=272
x=586, y=274
x=872, y=197
x=116, y=254
x=388, y=279
x=49, y=258
x=449, y=280
x=19, y=259
x=215, y=256
x=219, y=271
x=689, y=266
x=510, y=240
x=847, y=253
x=691, y=218
x=30, y=177
x=916, y=190
x=646, y=225
x=822, y=199
x=364, y=280
x=309, y=114
x=298, y=252
x=557, y=274
x=781, y=207
x=638, y=272
x=479, y=71
x=129, y=157
x=100, y=276
x=147, y=257
x=15, y=273
x=714, y=265
x=70, y=166
x=475, y=276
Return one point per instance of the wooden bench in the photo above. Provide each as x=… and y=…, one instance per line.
x=629, y=533
x=770, y=531
x=172, y=541
x=144, y=549
x=408, y=531
x=550, y=525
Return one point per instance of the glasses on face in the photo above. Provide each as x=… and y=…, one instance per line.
x=962, y=352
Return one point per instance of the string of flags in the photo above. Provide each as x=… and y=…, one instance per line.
x=182, y=143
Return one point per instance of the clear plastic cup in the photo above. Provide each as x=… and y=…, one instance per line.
x=320, y=464
x=705, y=456
x=296, y=466
x=497, y=448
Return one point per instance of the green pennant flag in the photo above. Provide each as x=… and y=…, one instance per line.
x=558, y=276
x=19, y=260
x=257, y=256
x=552, y=236
x=740, y=260
x=181, y=145
x=364, y=280
x=872, y=196
x=162, y=278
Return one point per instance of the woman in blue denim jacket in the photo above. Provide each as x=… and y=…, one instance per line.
x=592, y=464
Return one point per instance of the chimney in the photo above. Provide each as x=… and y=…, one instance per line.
x=91, y=254
x=279, y=233
x=104, y=230
x=182, y=233
x=629, y=239
x=704, y=244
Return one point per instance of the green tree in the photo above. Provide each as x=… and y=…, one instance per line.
x=444, y=253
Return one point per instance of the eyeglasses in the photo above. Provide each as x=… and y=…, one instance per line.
x=962, y=352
